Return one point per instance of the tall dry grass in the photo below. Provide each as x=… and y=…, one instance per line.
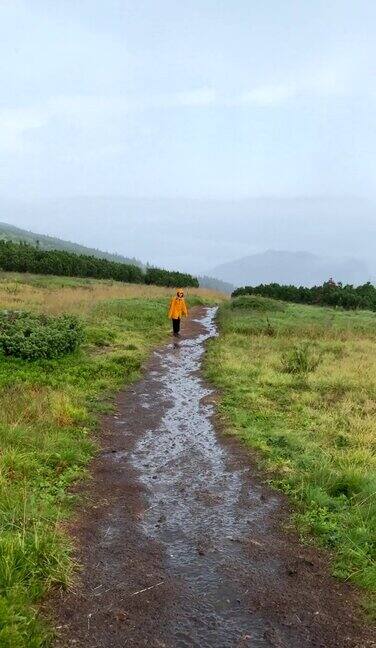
x=56, y=295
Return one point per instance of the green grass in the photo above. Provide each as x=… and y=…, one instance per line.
x=48, y=415
x=299, y=385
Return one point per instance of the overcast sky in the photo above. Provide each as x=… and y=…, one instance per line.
x=205, y=98
x=218, y=99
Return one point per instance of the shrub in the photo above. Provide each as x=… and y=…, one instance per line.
x=300, y=359
x=254, y=302
x=30, y=336
x=21, y=257
x=329, y=294
x=161, y=277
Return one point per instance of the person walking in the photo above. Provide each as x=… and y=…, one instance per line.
x=177, y=310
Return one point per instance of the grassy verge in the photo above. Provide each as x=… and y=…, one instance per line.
x=299, y=384
x=48, y=412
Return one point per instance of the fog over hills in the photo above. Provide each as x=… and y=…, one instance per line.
x=198, y=235
x=300, y=268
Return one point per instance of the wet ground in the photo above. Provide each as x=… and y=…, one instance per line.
x=181, y=542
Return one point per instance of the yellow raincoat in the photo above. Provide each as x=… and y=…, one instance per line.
x=178, y=307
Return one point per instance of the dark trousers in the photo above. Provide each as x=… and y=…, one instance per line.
x=176, y=326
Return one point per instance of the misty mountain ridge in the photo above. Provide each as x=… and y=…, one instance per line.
x=195, y=235
x=44, y=242
x=296, y=268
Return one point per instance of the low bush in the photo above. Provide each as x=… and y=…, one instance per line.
x=332, y=294
x=22, y=257
x=30, y=336
x=254, y=302
x=301, y=358
x=171, y=278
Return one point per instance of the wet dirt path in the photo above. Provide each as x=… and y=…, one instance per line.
x=181, y=543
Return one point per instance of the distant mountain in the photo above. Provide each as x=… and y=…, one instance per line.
x=11, y=233
x=296, y=268
x=195, y=235
x=215, y=284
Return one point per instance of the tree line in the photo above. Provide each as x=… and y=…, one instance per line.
x=22, y=257
x=172, y=278
x=329, y=294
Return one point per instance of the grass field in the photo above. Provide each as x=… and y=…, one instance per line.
x=298, y=383
x=48, y=413
x=50, y=294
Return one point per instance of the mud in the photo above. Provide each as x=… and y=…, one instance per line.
x=181, y=543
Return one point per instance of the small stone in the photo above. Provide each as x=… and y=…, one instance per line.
x=120, y=615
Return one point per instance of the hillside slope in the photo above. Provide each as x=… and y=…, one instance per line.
x=12, y=233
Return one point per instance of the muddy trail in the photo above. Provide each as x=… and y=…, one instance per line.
x=181, y=544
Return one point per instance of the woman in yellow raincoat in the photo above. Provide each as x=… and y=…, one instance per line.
x=177, y=310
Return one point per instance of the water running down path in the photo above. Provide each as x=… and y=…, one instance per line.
x=198, y=503
x=182, y=545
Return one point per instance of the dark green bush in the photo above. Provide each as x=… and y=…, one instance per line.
x=21, y=257
x=329, y=294
x=254, y=302
x=30, y=336
x=161, y=277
